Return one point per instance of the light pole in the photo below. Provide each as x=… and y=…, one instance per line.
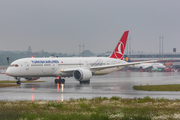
x=130, y=45
x=162, y=47
x=79, y=50
x=161, y=40
x=83, y=49
x=159, y=47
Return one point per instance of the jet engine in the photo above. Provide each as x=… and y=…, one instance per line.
x=82, y=74
x=32, y=78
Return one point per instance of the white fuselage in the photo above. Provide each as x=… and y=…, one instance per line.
x=54, y=66
x=148, y=65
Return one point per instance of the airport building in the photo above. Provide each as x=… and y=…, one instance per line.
x=146, y=56
x=171, y=58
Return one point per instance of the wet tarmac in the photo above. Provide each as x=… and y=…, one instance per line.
x=115, y=84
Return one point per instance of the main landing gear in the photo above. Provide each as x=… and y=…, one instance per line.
x=18, y=80
x=59, y=80
x=84, y=82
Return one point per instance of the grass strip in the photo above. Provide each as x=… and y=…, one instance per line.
x=170, y=87
x=98, y=108
x=8, y=85
x=6, y=81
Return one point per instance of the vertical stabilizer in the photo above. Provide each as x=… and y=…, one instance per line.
x=118, y=52
x=126, y=58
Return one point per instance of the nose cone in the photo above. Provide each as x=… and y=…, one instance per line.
x=162, y=66
x=9, y=72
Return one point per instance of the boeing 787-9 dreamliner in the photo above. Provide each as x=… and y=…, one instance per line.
x=81, y=68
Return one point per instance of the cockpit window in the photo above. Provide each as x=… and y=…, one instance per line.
x=14, y=65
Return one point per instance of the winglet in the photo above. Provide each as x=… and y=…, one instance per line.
x=118, y=52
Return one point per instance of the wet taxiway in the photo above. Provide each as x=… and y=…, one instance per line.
x=114, y=84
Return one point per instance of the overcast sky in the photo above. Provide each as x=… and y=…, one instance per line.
x=61, y=26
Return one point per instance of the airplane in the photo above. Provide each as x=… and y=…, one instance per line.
x=81, y=68
x=145, y=65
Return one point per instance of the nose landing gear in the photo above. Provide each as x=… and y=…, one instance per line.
x=18, y=80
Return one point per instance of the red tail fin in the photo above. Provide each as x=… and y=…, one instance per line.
x=118, y=52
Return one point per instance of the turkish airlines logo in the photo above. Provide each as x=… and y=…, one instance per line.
x=119, y=51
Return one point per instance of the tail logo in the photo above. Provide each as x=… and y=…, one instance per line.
x=119, y=51
x=126, y=59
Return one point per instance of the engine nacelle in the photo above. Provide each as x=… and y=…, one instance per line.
x=32, y=78
x=82, y=74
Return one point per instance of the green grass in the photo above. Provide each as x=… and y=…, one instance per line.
x=6, y=81
x=8, y=85
x=175, y=87
x=114, y=108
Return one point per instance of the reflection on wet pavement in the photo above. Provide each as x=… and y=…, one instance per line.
x=114, y=84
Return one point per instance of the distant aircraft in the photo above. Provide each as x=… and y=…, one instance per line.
x=145, y=65
x=81, y=68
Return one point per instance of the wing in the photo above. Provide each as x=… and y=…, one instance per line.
x=96, y=68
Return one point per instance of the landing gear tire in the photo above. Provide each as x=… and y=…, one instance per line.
x=88, y=81
x=63, y=81
x=84, y=82
x=60, y=81
x=18, y=82
x=56, y=80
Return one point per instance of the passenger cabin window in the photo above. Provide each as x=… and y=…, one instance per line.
x=14, y=65
x=36, y=64
x=47, y=64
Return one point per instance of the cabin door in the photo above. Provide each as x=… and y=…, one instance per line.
x=26, y=66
